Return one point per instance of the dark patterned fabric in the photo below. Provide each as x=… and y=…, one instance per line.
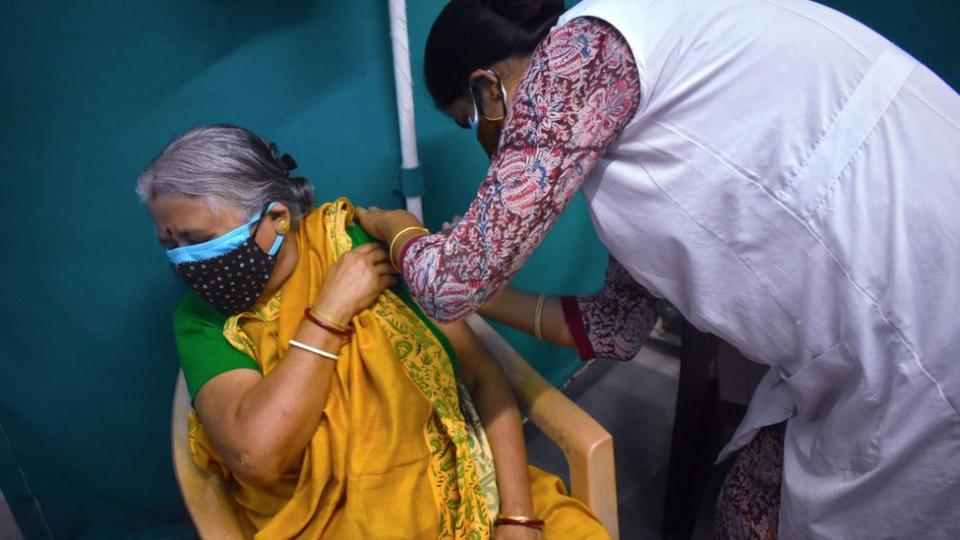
x=749, y=503
x=231, y=282
x=619, y=317
x=579, y=92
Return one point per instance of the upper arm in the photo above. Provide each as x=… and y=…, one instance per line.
x=218, y=404
x=217, y=375
x=204, y=352
x=475, y=361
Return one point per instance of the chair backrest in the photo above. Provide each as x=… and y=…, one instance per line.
x=205, y=494
x=586, y=445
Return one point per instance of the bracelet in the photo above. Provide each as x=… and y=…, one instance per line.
x=314, y=350
x=344, y=327
x=538, y=318
x=326, y=324
x=397, y=237
x=523, y=521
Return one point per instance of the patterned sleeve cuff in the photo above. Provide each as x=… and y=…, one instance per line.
x=571, y=312
x=404, y=249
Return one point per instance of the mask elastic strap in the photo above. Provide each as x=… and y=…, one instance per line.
x=474, y=120
x=279, y=240
x=276, y=245
x=503, y=97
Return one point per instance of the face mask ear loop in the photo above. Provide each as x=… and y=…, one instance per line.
x=279, y=240
x=276, y=245
x=503, y=97
x=474, y=119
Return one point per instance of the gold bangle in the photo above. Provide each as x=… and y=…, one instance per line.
x=538, y=318
x=397, y=237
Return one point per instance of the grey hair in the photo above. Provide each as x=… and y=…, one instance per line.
x=228, y=165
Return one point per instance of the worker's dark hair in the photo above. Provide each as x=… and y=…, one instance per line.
x=472, y=34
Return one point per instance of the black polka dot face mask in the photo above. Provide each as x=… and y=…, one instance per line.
x=229, y=271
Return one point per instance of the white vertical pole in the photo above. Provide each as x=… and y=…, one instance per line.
x=404, y=85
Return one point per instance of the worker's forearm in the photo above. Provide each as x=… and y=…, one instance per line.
x=518, y=309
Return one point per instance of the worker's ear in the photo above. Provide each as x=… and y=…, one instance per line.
x=485, y=85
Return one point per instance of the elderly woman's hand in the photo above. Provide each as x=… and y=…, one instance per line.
x=354, y=282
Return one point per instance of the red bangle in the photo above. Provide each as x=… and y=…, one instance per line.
x=325, y=325
x=574, y=319
x=519, y=520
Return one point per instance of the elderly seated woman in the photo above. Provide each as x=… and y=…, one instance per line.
x=332, y=405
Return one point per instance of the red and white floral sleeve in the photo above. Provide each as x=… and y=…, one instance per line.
x=579, y=92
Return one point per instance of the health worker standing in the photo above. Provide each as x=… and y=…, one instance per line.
x=783, y=175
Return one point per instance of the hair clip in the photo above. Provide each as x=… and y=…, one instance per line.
x=288, y=162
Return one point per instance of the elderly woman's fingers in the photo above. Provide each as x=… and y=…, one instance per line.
x=379, y=255
x=366, y=249
x=372, y=253
x=388, y=280
x=384, y=268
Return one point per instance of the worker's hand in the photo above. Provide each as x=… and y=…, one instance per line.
x=354, y=282
x=384, y=224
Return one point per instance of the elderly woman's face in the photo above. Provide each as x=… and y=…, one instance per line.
x=183, y=221
x=213, y=252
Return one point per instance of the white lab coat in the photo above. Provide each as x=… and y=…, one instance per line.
x=791, y=183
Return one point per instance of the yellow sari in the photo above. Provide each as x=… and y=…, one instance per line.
x=399, y=452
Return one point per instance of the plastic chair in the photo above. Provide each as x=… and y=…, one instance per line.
x=587, y=446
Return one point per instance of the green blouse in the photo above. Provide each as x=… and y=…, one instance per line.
x=205, y=353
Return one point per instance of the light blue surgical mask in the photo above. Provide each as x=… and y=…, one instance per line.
x=222, y=244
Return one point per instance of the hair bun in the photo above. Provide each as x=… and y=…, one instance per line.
x=525, y=11
x=302, y=191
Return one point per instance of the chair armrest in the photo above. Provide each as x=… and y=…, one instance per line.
x=205, y=495
x=587, y=446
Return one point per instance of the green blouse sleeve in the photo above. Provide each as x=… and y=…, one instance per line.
x=204, y=352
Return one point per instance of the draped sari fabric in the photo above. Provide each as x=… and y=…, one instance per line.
x=399, y=451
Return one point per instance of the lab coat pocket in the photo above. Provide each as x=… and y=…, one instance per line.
x=838, y=417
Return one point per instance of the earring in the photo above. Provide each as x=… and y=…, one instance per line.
x=283, y=228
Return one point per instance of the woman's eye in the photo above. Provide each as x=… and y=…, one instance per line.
x=191, y=240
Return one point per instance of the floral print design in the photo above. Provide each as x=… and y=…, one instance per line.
x=618, y=318
x=579, y=92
